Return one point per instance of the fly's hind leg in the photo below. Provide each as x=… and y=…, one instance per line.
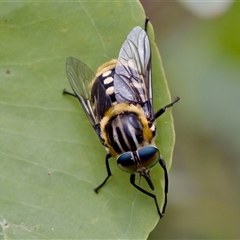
x=162, y=110
x=146, y=23
x=68, y=93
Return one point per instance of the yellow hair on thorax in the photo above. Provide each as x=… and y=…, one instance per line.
x=123, y=108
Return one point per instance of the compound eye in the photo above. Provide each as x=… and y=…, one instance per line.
x=126, y=163
x=149, y=156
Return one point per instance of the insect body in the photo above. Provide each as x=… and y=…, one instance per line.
x=118, y=104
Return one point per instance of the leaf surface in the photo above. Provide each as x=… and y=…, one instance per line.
x=50, y=157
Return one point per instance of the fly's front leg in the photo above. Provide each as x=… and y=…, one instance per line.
x=108, y=173
x=163, y=165
x=132, y=181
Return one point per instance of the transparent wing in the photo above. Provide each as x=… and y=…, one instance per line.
x=132, y=81
x=79, y=76
x=92, y=97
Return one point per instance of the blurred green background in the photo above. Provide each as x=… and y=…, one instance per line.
x=200, y=49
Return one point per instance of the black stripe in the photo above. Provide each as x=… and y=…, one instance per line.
x=112, y=96
x=109, y=131
x=121, y=139
x=136, y=124
x=131, y=142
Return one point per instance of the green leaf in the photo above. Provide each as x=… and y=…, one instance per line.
x=50, y=157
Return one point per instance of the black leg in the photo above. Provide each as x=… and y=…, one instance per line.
x=108, y=173
x=132, y=181
x=163, y=165
x=146, y=23
x=162, y=110
x=68, y=93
